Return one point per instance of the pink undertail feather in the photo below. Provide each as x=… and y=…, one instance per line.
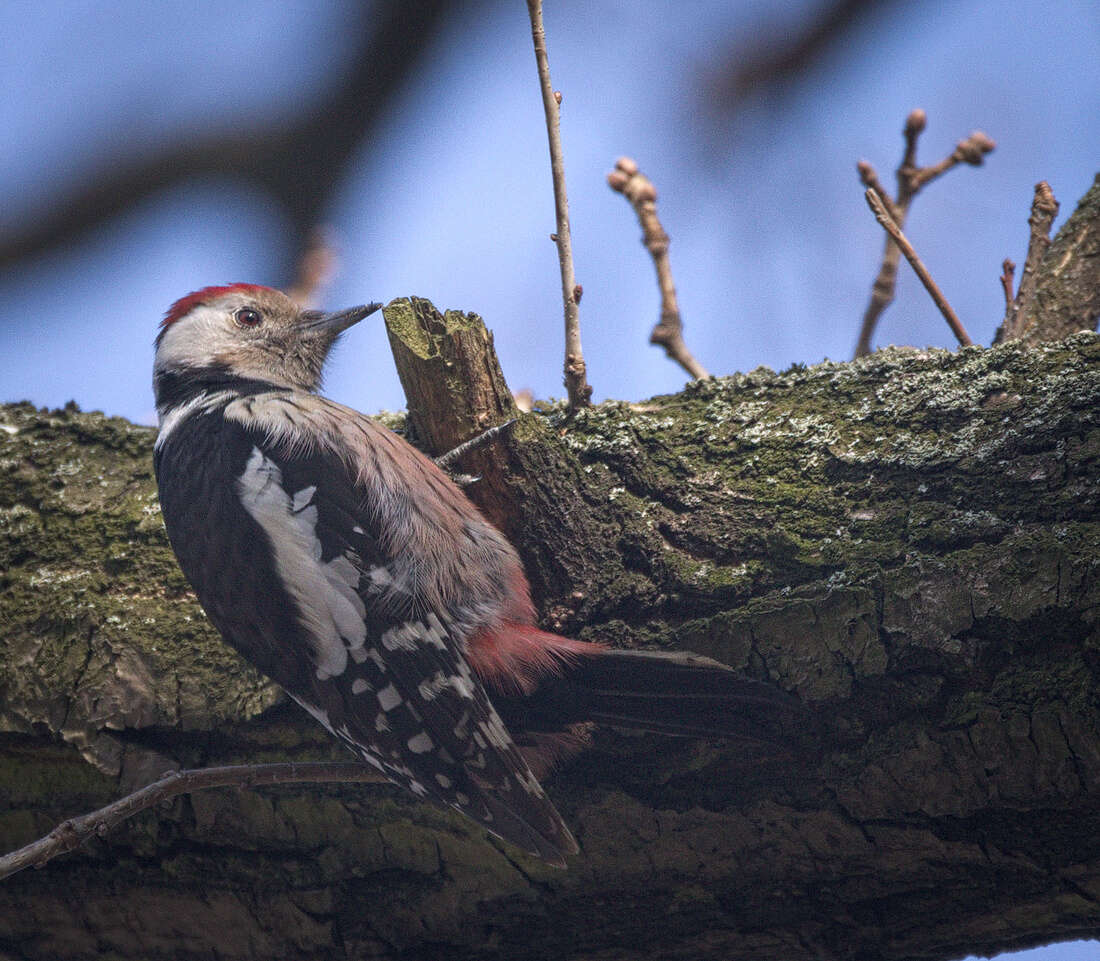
x=514, y=658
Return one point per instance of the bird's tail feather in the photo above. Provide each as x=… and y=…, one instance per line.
x=679, y=693
x=664, y=692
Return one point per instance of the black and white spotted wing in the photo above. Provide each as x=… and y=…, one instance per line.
x=300, y=584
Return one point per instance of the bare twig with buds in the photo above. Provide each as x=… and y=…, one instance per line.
x=883, y=216
x=1008, y=272
x=71, y=834
x=576, y=380
x=316, y=268
x=1044, y=208
x=911, y=179
x=628, y=180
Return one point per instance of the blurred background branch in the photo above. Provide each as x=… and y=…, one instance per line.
x=299, y=163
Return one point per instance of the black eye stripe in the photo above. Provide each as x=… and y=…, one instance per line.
x=248, y=317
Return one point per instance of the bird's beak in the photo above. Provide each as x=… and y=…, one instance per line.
x=336, y=322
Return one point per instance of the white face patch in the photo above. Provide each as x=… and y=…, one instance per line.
x=195, y=340
x=324, y=594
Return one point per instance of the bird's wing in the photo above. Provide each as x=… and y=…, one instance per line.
x=389, y=676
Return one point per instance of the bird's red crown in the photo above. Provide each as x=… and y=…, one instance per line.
x=184, y=306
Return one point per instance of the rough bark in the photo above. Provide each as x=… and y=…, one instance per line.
x=908, y=542
x=446, y=362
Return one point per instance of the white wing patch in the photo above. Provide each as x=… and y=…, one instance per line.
x=324, y=594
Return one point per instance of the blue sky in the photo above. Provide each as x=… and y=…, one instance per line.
x=773, y=248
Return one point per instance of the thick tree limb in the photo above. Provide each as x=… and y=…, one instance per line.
x=778, y=53
x=446, y=362
x=317, y=265
x=907, y=543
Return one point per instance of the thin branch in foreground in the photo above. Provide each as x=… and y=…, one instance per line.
x=869, y=178
x=576, y=380
x=628, y=180
x=1044, y=208
x=71, y=834
x=882, y=215
x=317, y=266
x=911, y=179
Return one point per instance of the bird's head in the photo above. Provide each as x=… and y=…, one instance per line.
x=248, y=331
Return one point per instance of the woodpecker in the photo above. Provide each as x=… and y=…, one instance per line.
x=347, y=566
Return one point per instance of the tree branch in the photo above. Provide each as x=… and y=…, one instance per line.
x=71, y=834
x=882, y=215
x=907, y=544
x=576, y=382
x=1044, y=208
x=1067, y=295
x=297, y=160
x=782, y=52
x=629, y=181
x=316, y=267
x=1008, y=272
x=911, y=179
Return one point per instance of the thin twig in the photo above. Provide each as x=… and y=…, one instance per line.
x=70, y=834
x=1008, y=274
x=1044, y=208
x=882, y=215
x=445, y=460
x=576, y=382
x=911, y=179
x=316, y=268
x=628, y=180
x=869, y=178
x=970, y=151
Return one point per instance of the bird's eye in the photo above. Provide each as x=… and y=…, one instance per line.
x=248, y=317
